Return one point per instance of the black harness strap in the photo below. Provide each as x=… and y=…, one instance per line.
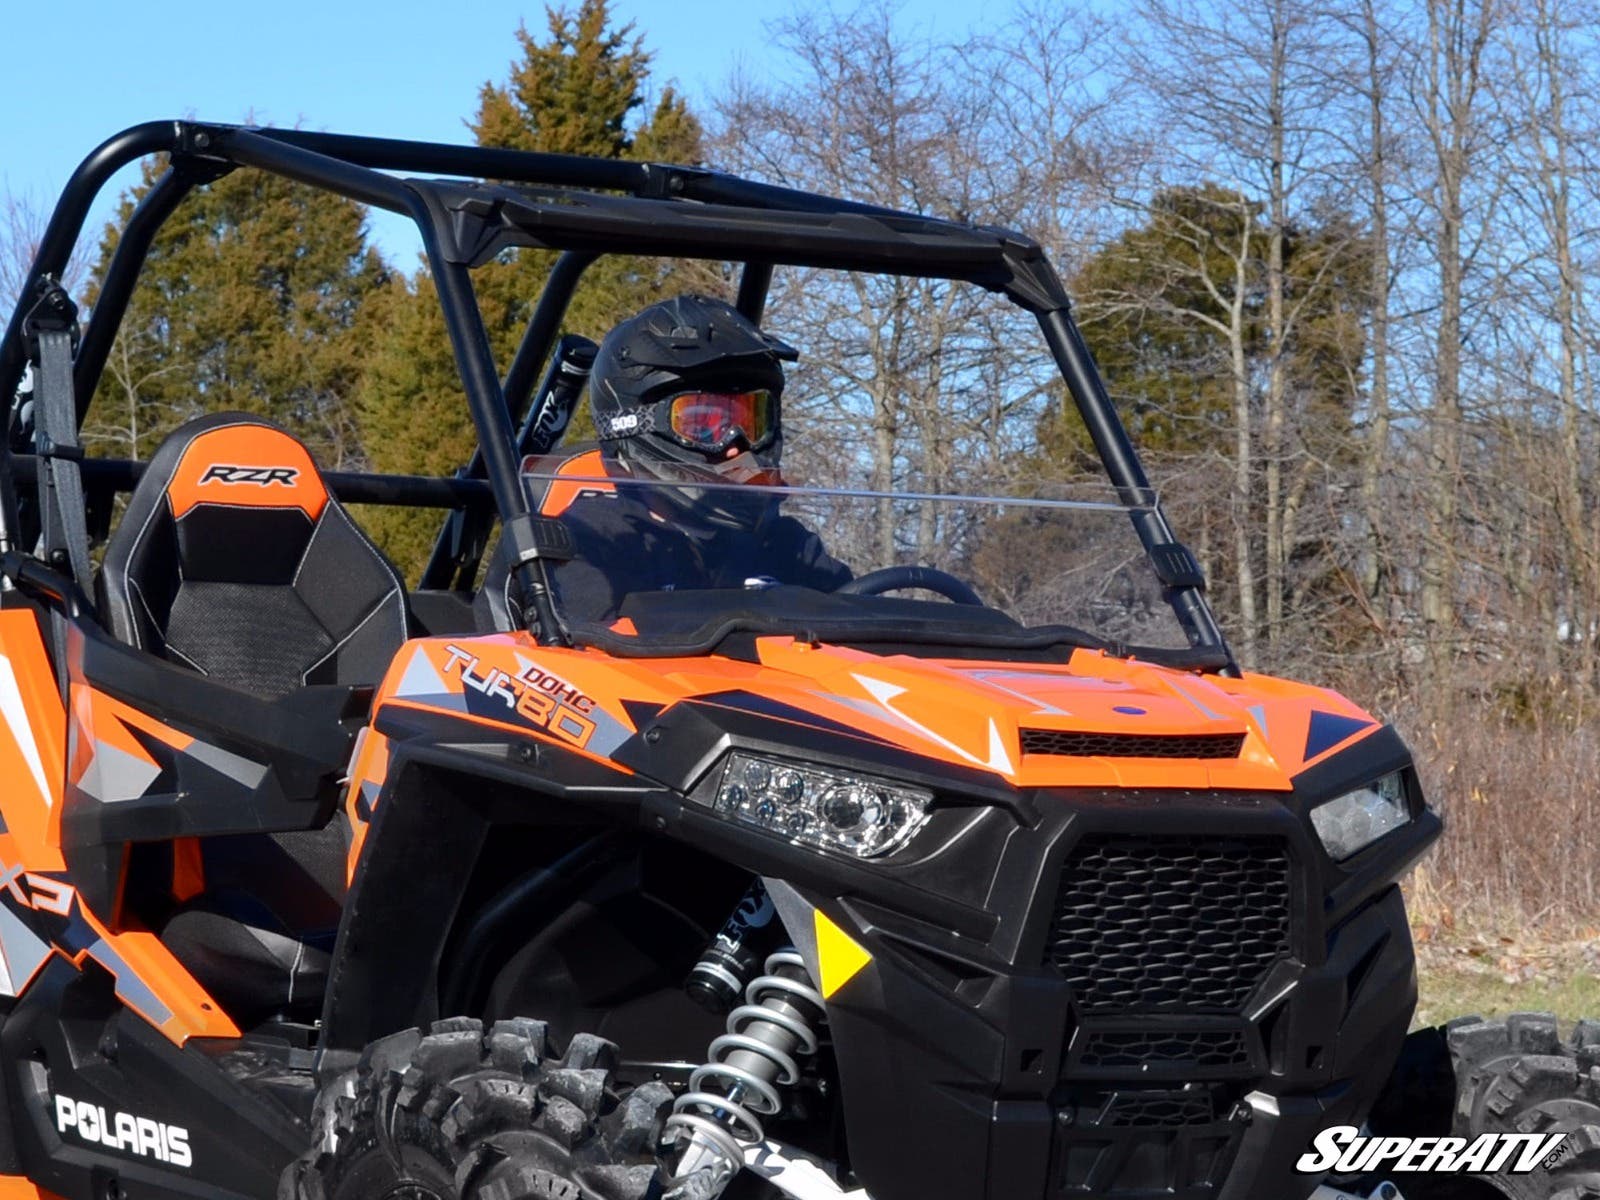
x=51, y=327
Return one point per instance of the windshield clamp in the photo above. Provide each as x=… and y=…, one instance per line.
x=1175, y=566
x=530, y=541
x=531, y=538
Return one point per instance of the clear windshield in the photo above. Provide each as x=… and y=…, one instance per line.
x=665, y=561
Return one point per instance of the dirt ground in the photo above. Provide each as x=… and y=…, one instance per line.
x=1490, y=973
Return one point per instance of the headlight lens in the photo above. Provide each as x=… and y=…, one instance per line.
x=1350, y=823
x=820, y=807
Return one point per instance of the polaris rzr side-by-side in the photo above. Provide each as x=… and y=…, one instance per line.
x=640, y=867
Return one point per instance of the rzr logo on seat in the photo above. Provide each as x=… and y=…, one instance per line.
x=261, y=476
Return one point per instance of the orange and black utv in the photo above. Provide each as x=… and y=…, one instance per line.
x=314, y=884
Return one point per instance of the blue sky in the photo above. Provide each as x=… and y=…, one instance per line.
x=77, y=73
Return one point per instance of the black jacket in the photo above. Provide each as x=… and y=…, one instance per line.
x=623, y=546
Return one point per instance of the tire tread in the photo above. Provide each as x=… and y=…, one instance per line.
x=489, y=1115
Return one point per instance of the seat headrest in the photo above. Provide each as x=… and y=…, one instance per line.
x=246, y=465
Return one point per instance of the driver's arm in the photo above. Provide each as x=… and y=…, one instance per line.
x=799, y=557
x=620, y=550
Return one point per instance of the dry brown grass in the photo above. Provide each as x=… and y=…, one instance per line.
x=1520, y=795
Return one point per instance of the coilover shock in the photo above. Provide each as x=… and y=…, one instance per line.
x=719, y=979
x=721, y=1113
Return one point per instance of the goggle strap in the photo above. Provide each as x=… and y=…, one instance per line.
x=634, y=422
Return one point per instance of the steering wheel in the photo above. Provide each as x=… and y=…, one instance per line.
x=892, y=579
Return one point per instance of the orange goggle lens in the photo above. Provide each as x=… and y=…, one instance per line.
x=716, y=420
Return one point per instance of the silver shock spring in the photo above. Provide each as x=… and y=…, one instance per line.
x=721, y=1113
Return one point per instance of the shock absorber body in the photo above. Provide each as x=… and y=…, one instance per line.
x=720, y=1114
x=719, y=979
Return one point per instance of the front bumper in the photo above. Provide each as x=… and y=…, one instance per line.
x=966, y=1079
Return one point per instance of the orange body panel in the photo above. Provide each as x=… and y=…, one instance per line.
x=369, y=767
x=98, y=717
x=967, y=713
x=32, y=741
x=148, y=978
x=559, y=696
x=38, y=738
x=191, y=1010
x=15, y=1187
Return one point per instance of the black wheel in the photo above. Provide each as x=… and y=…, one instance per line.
x=1518, y=1076
x=460, y=1114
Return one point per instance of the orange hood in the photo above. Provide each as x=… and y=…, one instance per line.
x=1260, y=732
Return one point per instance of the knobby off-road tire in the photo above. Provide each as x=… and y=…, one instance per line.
x=1518, y=1076
x=463, y=1114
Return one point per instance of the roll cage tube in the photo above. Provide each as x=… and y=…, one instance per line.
x=66, y=223
x=468, y=338
x=458, y=546
x=1175, y=566
x=567, y=203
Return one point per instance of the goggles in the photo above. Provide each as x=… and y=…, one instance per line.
x=711, y=422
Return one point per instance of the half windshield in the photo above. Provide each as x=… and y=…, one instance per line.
x=683, y=565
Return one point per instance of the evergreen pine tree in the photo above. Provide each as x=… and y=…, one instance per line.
x=571, y=94
x=248, y=300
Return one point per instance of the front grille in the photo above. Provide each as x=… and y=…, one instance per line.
x=1070, y=743
x=1177, y=1143
x=1145, y=1108
x=1139, y=1050
x=1169, y=924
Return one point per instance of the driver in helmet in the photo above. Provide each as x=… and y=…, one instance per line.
x=686, y=394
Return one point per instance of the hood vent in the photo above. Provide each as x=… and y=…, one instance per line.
x=1071, y=743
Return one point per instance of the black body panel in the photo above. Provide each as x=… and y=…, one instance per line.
x=256, y=765
x=71, y=1037
x=1039, y=1070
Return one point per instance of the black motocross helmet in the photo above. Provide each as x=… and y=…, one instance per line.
x=688, y=390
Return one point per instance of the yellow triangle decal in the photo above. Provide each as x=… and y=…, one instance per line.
x=838, y=954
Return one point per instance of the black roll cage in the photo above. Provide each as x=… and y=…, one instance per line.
x=582, y=207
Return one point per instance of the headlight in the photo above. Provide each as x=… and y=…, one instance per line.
x=1352, y=822
x=821, y=807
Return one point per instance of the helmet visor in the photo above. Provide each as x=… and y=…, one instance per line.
x=714, y=421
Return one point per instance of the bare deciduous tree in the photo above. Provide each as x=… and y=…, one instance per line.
x=1447, y=90
x=22, y=225
x=910, y=381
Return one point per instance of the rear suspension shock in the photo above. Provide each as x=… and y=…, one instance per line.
x=721, y=1113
